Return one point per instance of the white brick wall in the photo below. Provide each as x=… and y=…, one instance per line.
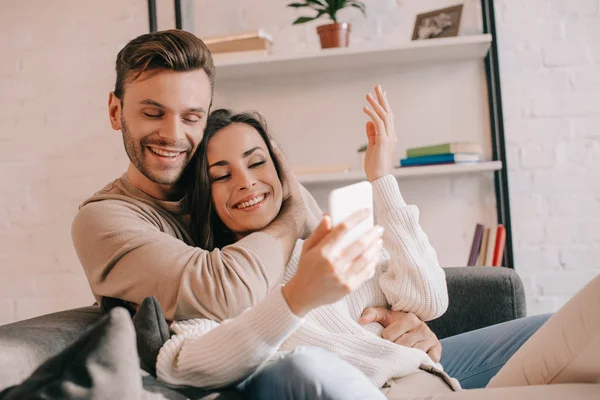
x=57, y=146
x=549, y=64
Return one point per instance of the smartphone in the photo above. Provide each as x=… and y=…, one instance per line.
x=345, y=201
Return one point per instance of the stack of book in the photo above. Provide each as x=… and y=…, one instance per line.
x=487, y=248
x=241, y=44
x=444, y=153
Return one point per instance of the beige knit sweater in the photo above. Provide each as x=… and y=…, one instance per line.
x=204, y=353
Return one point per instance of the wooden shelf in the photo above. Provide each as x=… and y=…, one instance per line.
x=431, y=50
x=406, y=172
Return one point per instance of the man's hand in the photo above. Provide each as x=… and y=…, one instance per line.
x=405, y=329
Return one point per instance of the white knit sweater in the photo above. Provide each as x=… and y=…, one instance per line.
x=204, y=353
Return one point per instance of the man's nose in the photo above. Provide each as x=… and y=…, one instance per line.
x=173, y=128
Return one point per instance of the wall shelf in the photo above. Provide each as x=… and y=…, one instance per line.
x=429, y=170
x=438, y=50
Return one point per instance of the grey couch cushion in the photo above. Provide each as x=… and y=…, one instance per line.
x=101, y=364
x=26, y=344
x=151, y=331
x=480, y=297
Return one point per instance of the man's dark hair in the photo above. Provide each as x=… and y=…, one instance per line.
x=173, y=49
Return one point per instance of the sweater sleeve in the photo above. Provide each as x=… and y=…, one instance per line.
x=130, y=254
x=413, y=281
x=204, y=354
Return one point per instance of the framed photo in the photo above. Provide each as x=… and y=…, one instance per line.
x=437, y=24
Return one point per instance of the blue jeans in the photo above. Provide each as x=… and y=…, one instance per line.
x=313, y=373
x=475, y=357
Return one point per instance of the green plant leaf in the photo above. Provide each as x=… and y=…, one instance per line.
x=317, y=2
x=298, y=5
x=333, y=5
x=360, y=5
x=302, y=20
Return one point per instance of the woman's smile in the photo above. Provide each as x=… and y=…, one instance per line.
x=252, y=202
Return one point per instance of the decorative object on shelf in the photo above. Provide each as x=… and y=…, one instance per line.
x=444, y=153
x=444, y=148
x=240, y=44
x=435, y=159
x=362, y=150
x=487, y=247
x=336, y=34
x=438, y=23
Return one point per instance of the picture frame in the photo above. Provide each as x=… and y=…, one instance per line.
x=444, y=22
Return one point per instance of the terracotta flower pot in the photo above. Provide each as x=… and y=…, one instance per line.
x=334, y=35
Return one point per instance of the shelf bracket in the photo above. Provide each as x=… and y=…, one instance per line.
x=152, y=15
x=492, y=71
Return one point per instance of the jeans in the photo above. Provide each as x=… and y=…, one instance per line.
x=475, y=357
x=313, y=373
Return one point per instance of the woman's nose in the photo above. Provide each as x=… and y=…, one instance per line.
x=246, y=181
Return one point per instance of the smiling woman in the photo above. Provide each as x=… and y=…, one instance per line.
x=237, y=180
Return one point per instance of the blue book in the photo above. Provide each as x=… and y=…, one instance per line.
x=448, y=158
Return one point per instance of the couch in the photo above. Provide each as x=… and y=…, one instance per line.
x=479, y=297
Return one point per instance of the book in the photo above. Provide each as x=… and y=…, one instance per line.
x=483, y=247
x=499, y=247
x=238, y=42
x=491, y=245
x=475, y=245
x=444, y=148
x=447, y=158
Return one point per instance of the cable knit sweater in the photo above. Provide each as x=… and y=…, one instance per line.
x=204, y=353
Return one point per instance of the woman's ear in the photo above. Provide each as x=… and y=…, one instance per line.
x=114, y=111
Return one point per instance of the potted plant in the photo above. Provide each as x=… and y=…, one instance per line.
x=336, y=34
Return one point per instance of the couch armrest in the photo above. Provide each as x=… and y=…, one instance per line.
x=479, y=297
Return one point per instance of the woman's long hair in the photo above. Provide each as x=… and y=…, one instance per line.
x=206, y=228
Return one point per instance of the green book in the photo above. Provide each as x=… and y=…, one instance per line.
x=444, y=148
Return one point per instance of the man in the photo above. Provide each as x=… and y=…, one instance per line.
x=132, y=237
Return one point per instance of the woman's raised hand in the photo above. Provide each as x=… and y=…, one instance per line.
x=379, y=157
x=327, y=273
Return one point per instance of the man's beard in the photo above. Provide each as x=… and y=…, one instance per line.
x=135, y=151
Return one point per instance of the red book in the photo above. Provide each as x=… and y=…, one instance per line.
x=499, y=247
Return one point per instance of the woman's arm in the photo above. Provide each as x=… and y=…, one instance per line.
x=413, y=281
x=203, y=353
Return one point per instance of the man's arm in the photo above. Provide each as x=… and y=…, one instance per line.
x=125, y=255
x=404, y=328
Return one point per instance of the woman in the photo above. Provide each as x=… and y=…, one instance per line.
x=325, y=290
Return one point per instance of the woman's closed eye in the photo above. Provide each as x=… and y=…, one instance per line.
x=257, y=164
x=220, y=178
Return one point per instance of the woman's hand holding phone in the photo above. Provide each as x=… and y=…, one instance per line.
x=326, y=272
x=381, y=148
